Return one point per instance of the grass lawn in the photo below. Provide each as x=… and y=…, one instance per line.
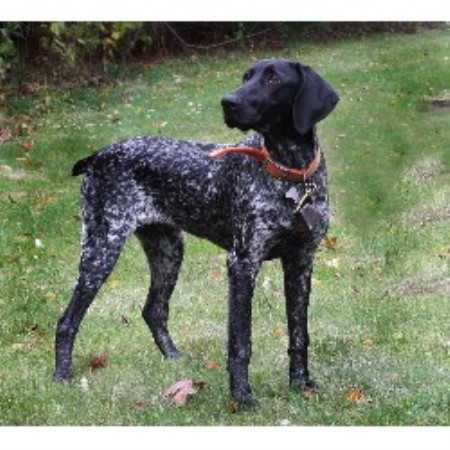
x=380, y=312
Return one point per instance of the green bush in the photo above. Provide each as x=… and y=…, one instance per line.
x=8, y=49
x=60, y=47
x=67, y=49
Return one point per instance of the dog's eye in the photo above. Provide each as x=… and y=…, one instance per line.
x=273, y=79
x=247, y=76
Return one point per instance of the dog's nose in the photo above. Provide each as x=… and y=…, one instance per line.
x=230, y=102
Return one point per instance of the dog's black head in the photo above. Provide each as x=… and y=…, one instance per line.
x=279, y=96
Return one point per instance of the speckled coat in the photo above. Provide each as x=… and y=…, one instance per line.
x=158, y=187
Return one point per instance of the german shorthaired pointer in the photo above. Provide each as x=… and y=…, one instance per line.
x=265, y=198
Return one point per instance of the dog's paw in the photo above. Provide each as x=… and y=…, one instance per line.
x=242, y=398
x=61, y=376
x=302, y=384
x=241, y=403
x=173, y=354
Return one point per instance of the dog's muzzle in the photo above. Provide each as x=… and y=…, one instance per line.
x=240, y=114
x=231, y=110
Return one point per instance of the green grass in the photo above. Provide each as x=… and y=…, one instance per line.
x=380, y=310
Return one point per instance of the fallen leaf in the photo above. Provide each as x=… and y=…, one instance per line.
x=138, y=405
x=355, y=396
x=331, y=242
x=211, y=365
x=27, y=146
x=215, y=275
x=179, y=392
x=234, y=407
x=98, y=362
x=4, y=136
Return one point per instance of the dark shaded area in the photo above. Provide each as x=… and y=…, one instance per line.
x=30, y=51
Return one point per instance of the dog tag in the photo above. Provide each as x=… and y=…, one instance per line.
x=292, y=193
x=309, y=217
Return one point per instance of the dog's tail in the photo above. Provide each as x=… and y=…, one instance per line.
x=82, y=165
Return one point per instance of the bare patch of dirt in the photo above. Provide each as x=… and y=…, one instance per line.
x=433, y=211
x=424, y=170
x=11, y=174
x=431, y=208
x=414, y=287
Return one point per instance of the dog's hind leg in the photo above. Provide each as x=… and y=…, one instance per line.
x=163, y=246
x=102, y=242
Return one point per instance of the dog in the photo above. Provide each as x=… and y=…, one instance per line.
x=265, y=198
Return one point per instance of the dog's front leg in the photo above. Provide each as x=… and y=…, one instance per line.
x=297, y=268
x=241, y=274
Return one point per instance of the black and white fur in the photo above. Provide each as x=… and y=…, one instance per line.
x=158, y=187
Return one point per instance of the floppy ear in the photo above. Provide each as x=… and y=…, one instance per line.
x=314, y=100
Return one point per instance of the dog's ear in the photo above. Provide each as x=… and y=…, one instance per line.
x=314, y=100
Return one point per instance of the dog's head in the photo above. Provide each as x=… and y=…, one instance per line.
x=281, y=96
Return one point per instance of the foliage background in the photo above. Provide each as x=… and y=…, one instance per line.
x=55, y=49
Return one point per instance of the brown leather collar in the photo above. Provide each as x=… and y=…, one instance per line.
x=274, y=168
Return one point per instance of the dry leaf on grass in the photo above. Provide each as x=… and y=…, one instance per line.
x=4, y=136
x=98, y=362
x=179, y=392
x=138, y=405
x=27, y=146
x=234, y=407
x=211, y=365
x=355, y=396
x=331, y=242
x=215, y=275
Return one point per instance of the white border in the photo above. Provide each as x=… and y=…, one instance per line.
x=225, y=10
x=236, y=438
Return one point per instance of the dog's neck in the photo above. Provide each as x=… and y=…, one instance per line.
x=296, y=151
